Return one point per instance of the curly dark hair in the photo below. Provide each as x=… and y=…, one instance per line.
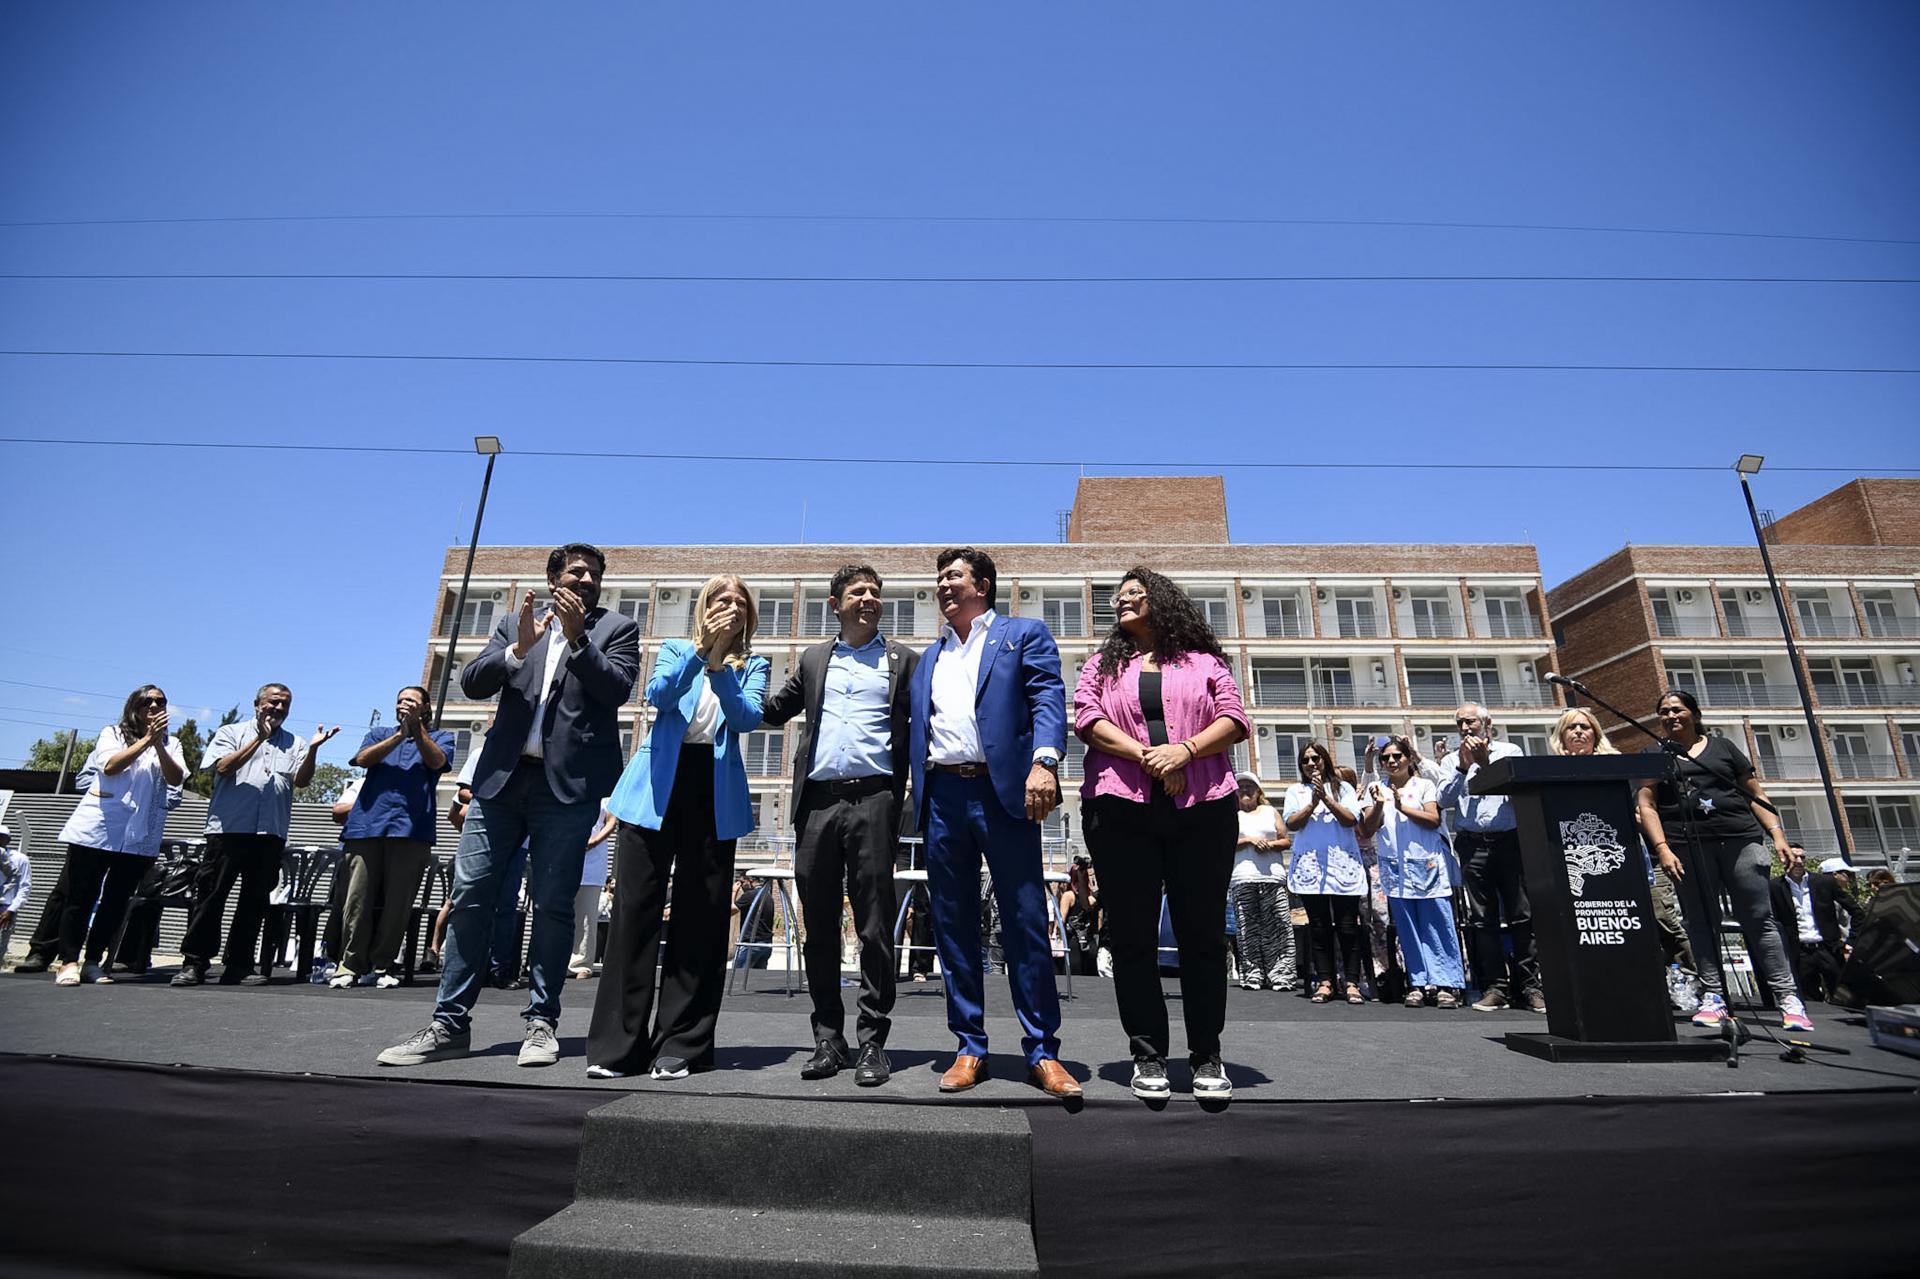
x=1176, y=624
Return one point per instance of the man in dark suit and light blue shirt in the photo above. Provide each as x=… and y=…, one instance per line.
x=552, y=755
x=849, y=777
x=989, y=727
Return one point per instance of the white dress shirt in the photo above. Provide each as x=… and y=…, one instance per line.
x=1802, y=890
x=556, y=653
x=953, y=730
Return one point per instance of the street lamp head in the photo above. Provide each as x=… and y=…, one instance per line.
x=488, y=445
x=1749, y=464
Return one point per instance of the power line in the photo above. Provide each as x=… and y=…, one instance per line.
x=824, y=460
x=1028, y=365
x=605, y=278
x=957, y=219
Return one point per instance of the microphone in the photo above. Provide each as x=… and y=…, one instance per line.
x=1553, y=678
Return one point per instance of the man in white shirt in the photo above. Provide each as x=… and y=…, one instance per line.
x=988, y=729
x=16, y=876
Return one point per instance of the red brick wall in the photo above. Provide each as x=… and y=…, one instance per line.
x=1864, y=512
x=1169, y=508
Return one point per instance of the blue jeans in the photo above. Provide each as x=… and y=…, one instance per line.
x=966, y=822
x=503, y=957
x=526, y=811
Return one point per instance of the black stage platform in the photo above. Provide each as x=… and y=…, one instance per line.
x=247, y=1131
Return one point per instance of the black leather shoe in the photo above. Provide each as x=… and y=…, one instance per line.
x=873, y=1068
x=824, y=1064
x=32, y=964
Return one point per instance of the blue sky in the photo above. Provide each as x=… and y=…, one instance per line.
x=211, y=572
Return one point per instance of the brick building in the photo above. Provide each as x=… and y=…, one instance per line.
x=1328, y=641
x=1703, y=618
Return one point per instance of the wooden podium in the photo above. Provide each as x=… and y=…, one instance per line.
x=1601, y=963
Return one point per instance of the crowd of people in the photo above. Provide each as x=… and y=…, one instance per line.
x=1345, y=890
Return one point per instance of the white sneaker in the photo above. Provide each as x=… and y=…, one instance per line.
x=386, y=981
x=605, y=1072
x=540, y=1047
x=341, y=980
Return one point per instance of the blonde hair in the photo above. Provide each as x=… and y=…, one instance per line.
x=743, y=642
x=1557, y=739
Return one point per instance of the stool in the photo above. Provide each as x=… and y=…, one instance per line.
x=779, y=881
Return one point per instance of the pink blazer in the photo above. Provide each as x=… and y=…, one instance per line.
x=1195, y=690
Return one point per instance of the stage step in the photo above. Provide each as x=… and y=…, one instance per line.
x=687, y=1185
x=617, y=1238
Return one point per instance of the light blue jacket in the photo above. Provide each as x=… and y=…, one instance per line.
x=674, y=692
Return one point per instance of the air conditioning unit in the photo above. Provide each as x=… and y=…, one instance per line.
x=1370, y=703
x=1906, y=671
x=498, y=596
x=1755, y=597
x=669, y=596
x=1026, y=594
x=478, y=725
x=1683, y=596
x=1321, y=595
x=1526, y=674
x=922, y=597
x=1265, y=731
x=1473, y=592
x=1419, y=730
x=1399, y=593
x=1246, y=594
x=1339, y=732
x=1788, y=733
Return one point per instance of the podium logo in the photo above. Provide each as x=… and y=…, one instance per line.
x=1592, y=847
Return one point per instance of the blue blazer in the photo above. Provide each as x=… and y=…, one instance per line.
x=679, y=674
x=1019, y=702
x=580, y=736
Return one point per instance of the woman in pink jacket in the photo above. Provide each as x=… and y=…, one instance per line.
x=1159, y=710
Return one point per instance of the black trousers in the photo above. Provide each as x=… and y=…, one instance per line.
x=846, y=847
x=627, y=1033
x=1137, y=849
x=1490, y=878
x=1332, y=919
x=253, y=861
x=1816, y=967
x=99, y=882
x=46, y=934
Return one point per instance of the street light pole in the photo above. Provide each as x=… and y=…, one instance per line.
x=488, y=446
x=1749, y=464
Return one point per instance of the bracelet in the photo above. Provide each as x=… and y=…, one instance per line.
x=1192, y=754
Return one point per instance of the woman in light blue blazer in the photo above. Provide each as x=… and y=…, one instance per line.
x=681, y=804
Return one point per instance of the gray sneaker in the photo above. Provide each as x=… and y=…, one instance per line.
x=1210, y=1080
x=437, y=1042
x=539, y=1048
x=1150, y=1079
x=1492, y=1000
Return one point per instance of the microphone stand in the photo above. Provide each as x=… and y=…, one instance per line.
x=1732, y=1032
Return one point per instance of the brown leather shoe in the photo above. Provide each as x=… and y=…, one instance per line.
x=963, y=1074
x=1052, y=1078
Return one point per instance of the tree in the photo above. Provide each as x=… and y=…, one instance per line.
x=329, y=780
x=44, y=756
x=193, y=746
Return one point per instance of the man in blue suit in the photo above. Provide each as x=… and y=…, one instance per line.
x=552, y=755
x=989, y=724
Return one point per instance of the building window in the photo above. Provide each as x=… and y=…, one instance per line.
x=761, y=751
x=1507, y=616
x=1749, y=612
x=1910, y=747
x=776, y=616
x=475, y=619
x=634, y=607
x=817, y=620
x=462, y=743
x=1282, y=616
x=896, y=616
x=1847, y=681
x=1433, y=617
x=1279, y=749
x=1354, y=614
x=1531, y=741
x=1064, y=613
x=1883, y=824
x=1214, y=607
x=1430, y=682
x=1073, y=765
x=1277, y=683
x=1103, y=618
x=1883, y=616
x=1332, y=679
x=1480, y=681
x=1817, y=618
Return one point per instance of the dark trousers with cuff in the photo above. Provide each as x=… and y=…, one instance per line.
x=1137, y=849
x=846, y=847
x=252, y=861
x=1490, y=876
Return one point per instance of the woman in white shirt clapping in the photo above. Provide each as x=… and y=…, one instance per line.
x=1403, y=815
x=135, y=775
